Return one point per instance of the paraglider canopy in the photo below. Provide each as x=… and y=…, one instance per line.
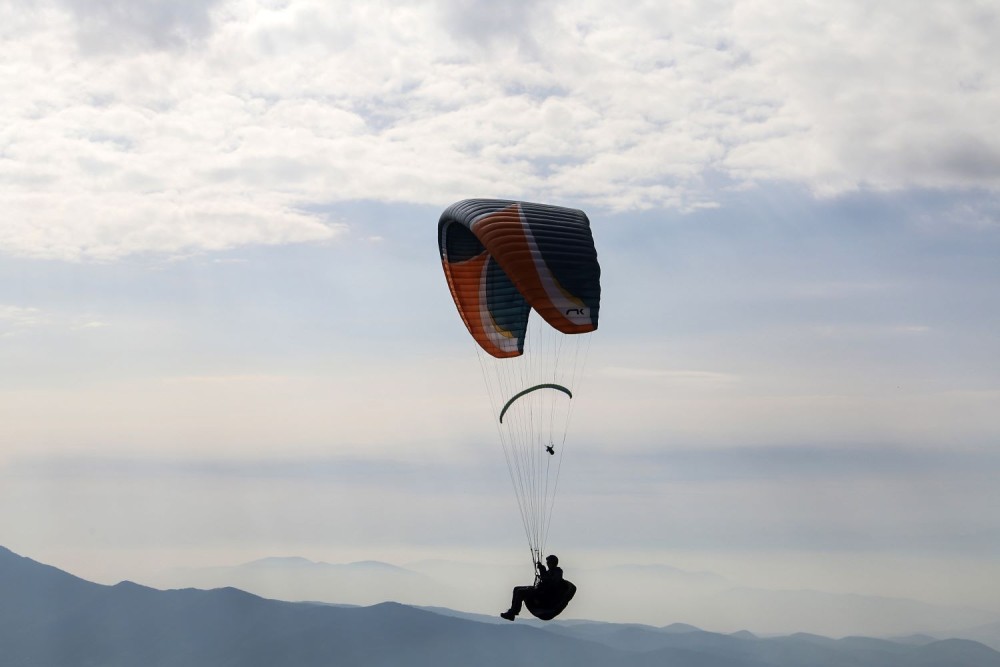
x=544, y=385
x=504, y=259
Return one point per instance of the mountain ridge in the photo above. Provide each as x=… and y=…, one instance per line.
x=621, y=593
x=50, y=618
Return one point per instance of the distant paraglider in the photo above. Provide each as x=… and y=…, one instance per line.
x=503, y=261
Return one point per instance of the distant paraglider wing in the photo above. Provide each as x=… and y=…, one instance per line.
x=503, y=258
x=544, y=385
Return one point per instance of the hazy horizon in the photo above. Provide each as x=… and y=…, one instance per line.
x=651, y=595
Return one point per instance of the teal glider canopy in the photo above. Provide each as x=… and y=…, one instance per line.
x=545, y=385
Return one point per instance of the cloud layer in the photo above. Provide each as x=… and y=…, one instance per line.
x=180, y=127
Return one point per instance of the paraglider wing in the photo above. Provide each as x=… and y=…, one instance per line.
x=502, y=259
x=545, y=385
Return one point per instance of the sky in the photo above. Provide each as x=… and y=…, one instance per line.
x=225, y=332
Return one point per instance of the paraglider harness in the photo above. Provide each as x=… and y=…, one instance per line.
x=552, y=597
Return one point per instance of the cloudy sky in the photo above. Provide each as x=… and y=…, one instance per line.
x=225, y=333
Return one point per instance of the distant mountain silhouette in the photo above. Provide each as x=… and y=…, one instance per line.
x=815, y=609
x=49, y=618
x=294, y=579
x=988, y=634
x=630, y=591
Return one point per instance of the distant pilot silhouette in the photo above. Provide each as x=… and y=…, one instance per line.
x=547, y=598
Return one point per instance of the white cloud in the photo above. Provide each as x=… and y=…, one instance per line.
x=173, y=128
x=157, y=24
x=90, y=324
x=18, y=318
